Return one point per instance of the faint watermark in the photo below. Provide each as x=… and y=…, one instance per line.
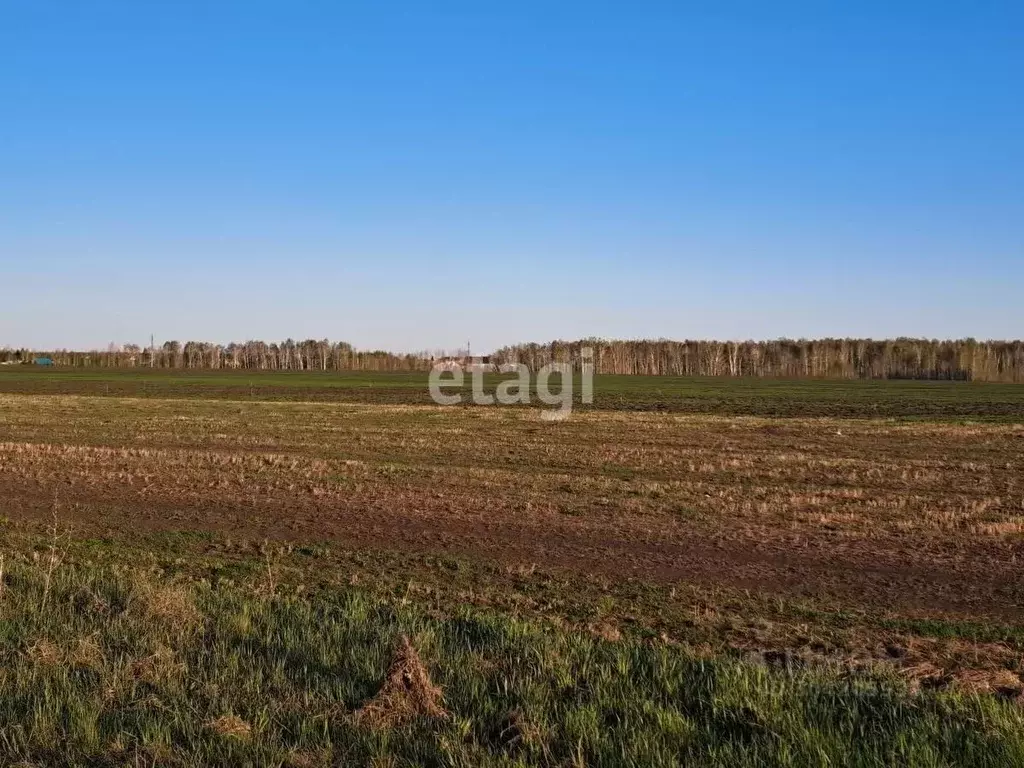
x=520, y=389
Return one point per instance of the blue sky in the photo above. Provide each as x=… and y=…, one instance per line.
x=411, y=175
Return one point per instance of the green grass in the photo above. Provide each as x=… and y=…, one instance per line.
x=442, y=585
x=120, y=666
x=722, y=395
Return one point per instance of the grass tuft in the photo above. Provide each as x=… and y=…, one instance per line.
x=407, y=692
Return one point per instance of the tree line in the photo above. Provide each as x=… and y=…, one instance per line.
x=288, y=355
x=903, y=358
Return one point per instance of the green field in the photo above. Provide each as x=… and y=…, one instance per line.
x=720, y=395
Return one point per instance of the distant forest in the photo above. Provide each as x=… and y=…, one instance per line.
x=903, y=358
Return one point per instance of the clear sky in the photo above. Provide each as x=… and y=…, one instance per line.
x=412, y=175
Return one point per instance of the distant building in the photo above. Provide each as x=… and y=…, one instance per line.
x=43, y=361
x=468, y=363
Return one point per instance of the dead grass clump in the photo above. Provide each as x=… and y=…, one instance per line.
x=606, y=631
x=521, y=569
x=87, y=601
x=87, y=654
x=407, y=692
x=158, y=667
x=1012, y=526
x=172, y=605
x=231, y=726
x=299, y=759
x=45, y=653
x=1003, y=682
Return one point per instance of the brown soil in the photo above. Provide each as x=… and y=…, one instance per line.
x=923, y=518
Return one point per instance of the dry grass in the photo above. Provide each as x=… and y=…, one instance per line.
x=231, y=726
x=226, y=450
x=171, y=604
x=407, y=692
x=87, y=653
x=45, y=653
